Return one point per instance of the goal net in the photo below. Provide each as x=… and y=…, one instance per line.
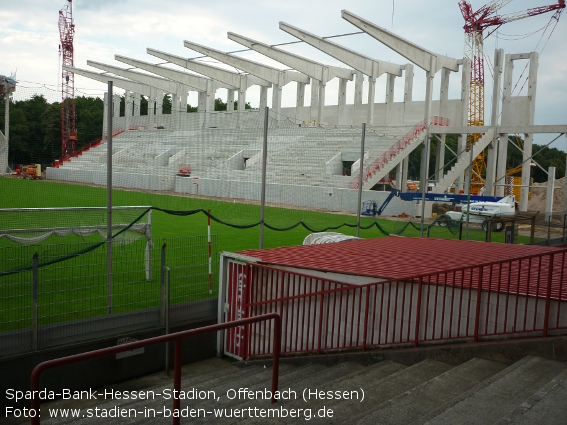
x=58, y=232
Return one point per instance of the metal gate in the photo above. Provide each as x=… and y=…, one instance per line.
x=235, y=344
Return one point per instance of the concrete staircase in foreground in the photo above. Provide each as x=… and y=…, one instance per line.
x=532, y=390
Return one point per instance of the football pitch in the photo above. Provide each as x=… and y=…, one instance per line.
x=18, y=193
x=76, y=289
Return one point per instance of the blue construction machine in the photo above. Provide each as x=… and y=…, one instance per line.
x=371, y=209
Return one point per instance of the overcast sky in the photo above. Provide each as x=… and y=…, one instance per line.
x=29, y=40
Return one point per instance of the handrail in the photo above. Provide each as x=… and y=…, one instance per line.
x=434, y=307
x=177, y=337
x=371, y=169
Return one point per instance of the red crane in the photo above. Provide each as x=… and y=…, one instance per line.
x=475, y=23
x=68, y=124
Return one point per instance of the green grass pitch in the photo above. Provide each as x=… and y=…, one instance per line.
x=66, y=294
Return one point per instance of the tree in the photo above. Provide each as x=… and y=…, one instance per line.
x=26, y=137
x=166, y=109
x=222, y=106
x=90, y=111
x=51, y=125
x=543, y=155
x=35, y=128
x=143, y=105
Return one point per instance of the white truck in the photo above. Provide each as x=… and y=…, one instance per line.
x=481, y=212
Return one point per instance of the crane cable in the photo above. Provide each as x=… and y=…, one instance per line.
x=544, y=28
x=553, y=17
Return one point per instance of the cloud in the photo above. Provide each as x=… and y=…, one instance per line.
x=29, y=36
x=108, y=5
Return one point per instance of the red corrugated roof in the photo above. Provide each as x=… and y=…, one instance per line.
x=393, y=257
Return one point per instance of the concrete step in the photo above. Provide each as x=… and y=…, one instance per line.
x=203, y=377
x=296, y=385
x=530, y=391
x=412, y=404
x=545, y=406
x=497, y=397
x=348, y=382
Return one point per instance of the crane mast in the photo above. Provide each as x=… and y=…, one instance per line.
x=68, y=124
x=475, y=25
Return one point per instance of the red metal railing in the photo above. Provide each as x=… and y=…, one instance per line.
x=526, y=296
x=379, y=162
x=177, y=338
x=79, y=151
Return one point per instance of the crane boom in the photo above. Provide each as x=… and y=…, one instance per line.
x=534, y=11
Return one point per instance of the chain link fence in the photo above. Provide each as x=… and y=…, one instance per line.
x=67, y=302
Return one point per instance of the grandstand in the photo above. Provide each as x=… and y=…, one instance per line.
x=227, y=163
x=314, y=161
x=312, y=150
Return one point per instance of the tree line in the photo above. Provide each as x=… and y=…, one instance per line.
x=544, y=156
x=35, y=125
x=35, y=135
x=35, y=128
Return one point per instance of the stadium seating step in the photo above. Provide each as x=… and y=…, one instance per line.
x=478, y=391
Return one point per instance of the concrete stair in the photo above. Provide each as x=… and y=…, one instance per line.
x=296, y=156
x=463, y=162
x=532, y=390
x=393, y=162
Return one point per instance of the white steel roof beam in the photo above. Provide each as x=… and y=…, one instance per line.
x=368, y=66
x=205, y=86
x=277, y=77
x=164, y=84
x=317, y=71
x=128, y=85
x=358, y=61
x=194, y=82
x=411, y=51
x=268, y=73
x=186, y=63
x=241, y=82
x=224, y=75
x=118, y=82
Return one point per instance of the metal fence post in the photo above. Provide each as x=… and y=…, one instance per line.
x=35, y=273
x=177, y=362
x=478, y=302
x=167, y=295
x=264, y=170
x=149, y=246
x=162, y=286
x=360, y=178
x=109, y=197
x=418, y=313
x=548, y=295
x=366, y=318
